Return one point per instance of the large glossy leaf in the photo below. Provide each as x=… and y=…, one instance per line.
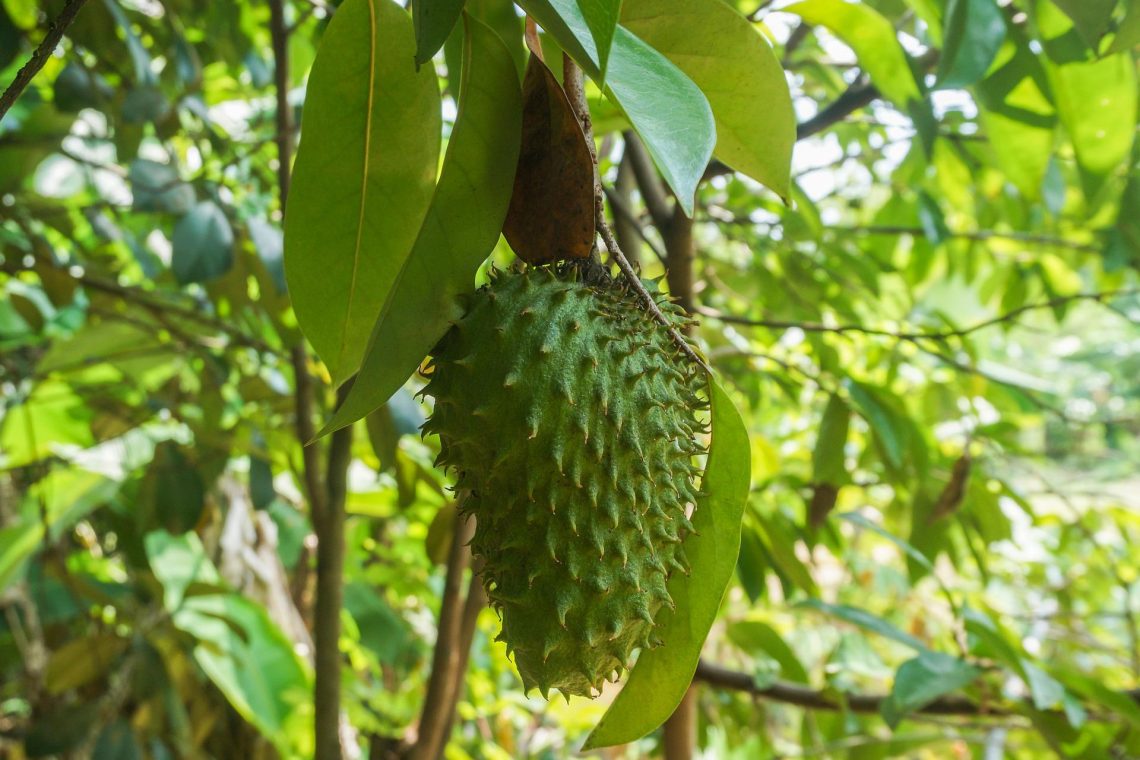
x=739, y=74
x=363, y=177
x=433, y=21
x=1018, y=117
x=1096, y=100
x=660, y=677
x=872, y=38
x=668, y=111
x=459, y=231
x=974, y=32
x=240, y=649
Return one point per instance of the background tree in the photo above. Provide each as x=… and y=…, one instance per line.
x=928, y=325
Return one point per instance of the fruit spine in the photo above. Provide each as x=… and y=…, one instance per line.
x=570, y=419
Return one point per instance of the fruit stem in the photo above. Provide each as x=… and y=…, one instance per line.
x=573, y=84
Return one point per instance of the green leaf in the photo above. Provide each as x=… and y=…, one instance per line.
x=857, y=519
x=736, y=69
x=924, y=679
x=601, y=17
x=1127, y=34
x=24, y=13
x=433, y=21
x=381, y=630
x=52, y=415
x=363, y=177
x=886, y=420
x=1096, y=100
x=1091, y=17
x=828, y=456
x=668, y=111
x=660, y=677
x=157, y=187
x=866, y=620
x=872, y=38
x=461, y=227
x=974, y=32
x=240, y=649
x=1018, y=116
x=202, y=244
x=140, y=58
x=754, y=636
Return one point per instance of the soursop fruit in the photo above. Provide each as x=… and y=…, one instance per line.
x=572, y=422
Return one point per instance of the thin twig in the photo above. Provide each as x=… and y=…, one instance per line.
x=40, y=55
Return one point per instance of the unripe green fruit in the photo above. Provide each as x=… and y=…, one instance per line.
x=569, y=417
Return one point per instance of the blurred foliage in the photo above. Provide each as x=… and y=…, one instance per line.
x=934, y=344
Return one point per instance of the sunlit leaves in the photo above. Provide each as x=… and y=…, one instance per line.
x=872, y=38
x=363, y=178
x=975, y=30
x=459, y=231
x=736, y=69
x=659, y=679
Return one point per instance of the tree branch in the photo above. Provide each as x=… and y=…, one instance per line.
x=435, y=717
x=913, y=336
x=652, y=191
x=40, y=55
x=803, y=696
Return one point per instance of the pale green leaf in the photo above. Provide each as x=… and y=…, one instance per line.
x=363, y=177
x=1018, y=117
x=873, y=39
x=660, y=677
x=736, y=69
x=52, y=415
x=460, y=230
x=828, y=456
x=866, y=620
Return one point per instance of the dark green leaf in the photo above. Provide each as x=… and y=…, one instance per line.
x=202, y=244
x=157, y=187
x=974, y=32
x=433, y=21
x=659, y=679
x=363, y=177
x=270, y=244
x=754, y=636
x=736, y=69
x=461, y=227
x=924, y=679
x=381, y=629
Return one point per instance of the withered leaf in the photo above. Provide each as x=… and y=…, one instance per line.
x=551, y=216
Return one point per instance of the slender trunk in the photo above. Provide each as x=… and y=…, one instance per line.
x=681, y=728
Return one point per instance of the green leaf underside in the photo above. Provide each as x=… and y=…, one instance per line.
x=363, y=177
x=660, y=677
x=665, y=107
x=738, y=72
x=872, y=38
x=601, y=17
x=461, y=227
x=975, y=31
x=433, y=21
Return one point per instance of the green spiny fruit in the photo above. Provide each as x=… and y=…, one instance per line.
x=569, y=417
